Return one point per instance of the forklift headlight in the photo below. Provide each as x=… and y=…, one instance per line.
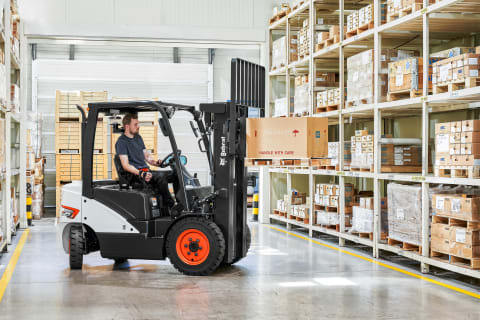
x=69, y=212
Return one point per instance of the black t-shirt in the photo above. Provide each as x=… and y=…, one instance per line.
x=133, y=148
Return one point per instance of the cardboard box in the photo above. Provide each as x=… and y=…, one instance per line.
x=469, y=208
x=470, y=137
x=464, y=251
x=470, y=148
x=287, y=138
x=452, y=52
x=470, y=125
x=440, y=245
x=463, y=235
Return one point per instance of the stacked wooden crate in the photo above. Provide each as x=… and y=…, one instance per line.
x=456, y=229
x=68, y=138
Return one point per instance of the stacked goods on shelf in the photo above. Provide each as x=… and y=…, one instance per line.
x=2, y=145
x=15, y=37
x=405, y=78
x=455, y=73
x=38, y=189
x=293, y=48
x=456, y=228
x=452, y=52
x=304, y=40
x=281, y=107
x=279, y=53
x=326, y=39
x=282, y=206
x=287, y=138
x=400, y=8
x=14, y=208
x=362, y=151
x=328, y=100
x=331, y=161
x=302, y=96
x=363, y=19
x=280, y=12
x=397, y=157
x=405, y=216
x=457, y=149
x=299, y=207
x=362, y=221
x=3, y=77
x=360, y=74
x=15, y=97
x=327, y=202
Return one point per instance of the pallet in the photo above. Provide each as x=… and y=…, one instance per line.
x=279, y=213
x=471, y=172
x=456, y=222
x=275, y=67
x=332, y=107
x=353, y=103
x=405, y=245
x=327, y=43
x=279, y=15
x=472, y=263
x=410, y=9
x=360, y=29
x=348, y=209
x=303, y=220
x=404, y=94
x=362, y=169
x=468, y=82
x=401, y=169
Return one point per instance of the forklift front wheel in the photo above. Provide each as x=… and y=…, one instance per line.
x=195, y=246
x=76, y=247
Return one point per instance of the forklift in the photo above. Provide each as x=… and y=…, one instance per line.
x=125, y=219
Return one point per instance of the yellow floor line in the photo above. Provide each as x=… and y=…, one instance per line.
x=7, y=274
x=442, y=284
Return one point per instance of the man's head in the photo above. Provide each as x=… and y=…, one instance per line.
x=130, y=123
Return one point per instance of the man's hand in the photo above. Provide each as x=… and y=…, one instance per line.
x=148, y=177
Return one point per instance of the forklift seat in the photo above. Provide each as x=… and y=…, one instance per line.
x=124, y=177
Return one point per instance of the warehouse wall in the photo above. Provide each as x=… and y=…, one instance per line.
x=219, y=20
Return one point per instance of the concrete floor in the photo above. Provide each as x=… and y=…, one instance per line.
x=283, y=277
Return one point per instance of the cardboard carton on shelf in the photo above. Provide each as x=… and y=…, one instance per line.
x=287, y=138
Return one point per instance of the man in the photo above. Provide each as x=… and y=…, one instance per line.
x=134, y=158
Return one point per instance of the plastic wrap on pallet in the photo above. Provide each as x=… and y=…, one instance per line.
x=302, y=98
x=37, y=209
x=279, y=53
x=405, y=213
x=327, y=218
x=362, y=220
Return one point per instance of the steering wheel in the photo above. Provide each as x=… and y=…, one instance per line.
x=169, y=160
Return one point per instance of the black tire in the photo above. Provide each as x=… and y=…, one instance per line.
x=216, y=243
x=249, y=241
x=120, y=260
x=77, y=247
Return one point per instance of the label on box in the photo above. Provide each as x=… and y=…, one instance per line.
x=460, y=235
x=443, y=145
x=455, y=205
x=440, y=203
x=472, y=61
x=444, y=72
x=473, y=73
x=400, y=214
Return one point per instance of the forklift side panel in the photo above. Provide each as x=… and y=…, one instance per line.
x=130, y=246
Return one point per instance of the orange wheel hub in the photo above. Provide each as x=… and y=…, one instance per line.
x=193, y=247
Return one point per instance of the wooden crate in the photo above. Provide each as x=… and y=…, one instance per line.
x=67, y=136
x=100, y=144
x=66, y=105
x=68, y=167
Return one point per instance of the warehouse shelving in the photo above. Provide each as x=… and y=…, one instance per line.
x=14, y=174
x=425, y=28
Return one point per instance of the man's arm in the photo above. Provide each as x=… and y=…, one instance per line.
x=127, y=166
x=149, y=158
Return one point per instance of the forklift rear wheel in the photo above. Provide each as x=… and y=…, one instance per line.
x=77, y=247
x=195, y=246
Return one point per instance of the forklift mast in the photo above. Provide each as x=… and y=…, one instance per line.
x=227, y=124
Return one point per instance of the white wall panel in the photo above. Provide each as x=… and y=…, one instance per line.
x=212, y=20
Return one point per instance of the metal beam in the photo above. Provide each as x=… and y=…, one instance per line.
x=211, y=55
x=176, y=55
x=71, y=54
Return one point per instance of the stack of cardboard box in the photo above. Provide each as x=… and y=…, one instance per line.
x=456, y=227
x=279, y=53
x=460, y=68
x=326, y=198
x=362, y=150
x=400, y=8
x=331, y=160
x=457, y=148
x=304, y=40
x=328, y=98
x=401, y=155
x=302, y=95
x=364, y=18
x=293, y=48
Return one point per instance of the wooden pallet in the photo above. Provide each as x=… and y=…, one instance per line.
x=281, y=66
x=279, y=15
x=471, y=172
x=360, y=29
x=404, y=94
x=303, y=220
x=353, y=103
x=456, y=222
x=362, y=169
x=401, y=169
x=348, y=209
x=405, y=245
x=279, y=213
x=332, y=107
x=472, y=263
x=327, y=43
x=297, y=5
x=410, y=9
x=468, y=82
